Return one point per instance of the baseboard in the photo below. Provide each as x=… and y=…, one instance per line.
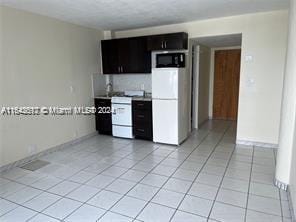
x=44, y=152
x=280, y=185
x=257, y=144
x=291, y=205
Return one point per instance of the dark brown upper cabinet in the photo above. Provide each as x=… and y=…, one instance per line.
x=139, y=56
x=128, y=55
x=171, y=41
x=133, y=55
x=109, y=56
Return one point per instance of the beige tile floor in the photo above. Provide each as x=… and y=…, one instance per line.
x=103, y=178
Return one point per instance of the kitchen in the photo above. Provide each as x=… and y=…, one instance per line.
x=161, y=115
x=195, y=101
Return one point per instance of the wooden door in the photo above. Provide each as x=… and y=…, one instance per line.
x=226, y=84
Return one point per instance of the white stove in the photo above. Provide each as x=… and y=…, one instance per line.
x=122, y=124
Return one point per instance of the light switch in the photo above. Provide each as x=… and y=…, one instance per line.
x=249, y=58
x=250, y=82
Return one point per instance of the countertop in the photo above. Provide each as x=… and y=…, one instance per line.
x=144, y=98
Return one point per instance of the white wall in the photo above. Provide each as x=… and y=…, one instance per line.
x=204, y=83
x=264, y=36
x=1, y=88
x=99, y=85
x=286, y=158
x=42, y=58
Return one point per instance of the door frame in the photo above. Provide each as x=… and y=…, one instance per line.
x=194, y=85
x=212, y=76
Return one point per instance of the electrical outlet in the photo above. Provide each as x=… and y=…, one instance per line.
x=32, y=149
x=76, y=134
x=142, y=86
x=71, y=89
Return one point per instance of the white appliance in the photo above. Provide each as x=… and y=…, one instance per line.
x=170, y=105
x=122, y=124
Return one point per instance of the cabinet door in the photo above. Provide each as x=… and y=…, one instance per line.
x=142, y=119
x=155, y=42
x=109, y=53
x=172, y=41
x=124, y=61
x=139, y=56
x=103, y=120
x=175, y=41
x=129, y=55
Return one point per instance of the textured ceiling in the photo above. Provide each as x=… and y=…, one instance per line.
x=128, y=14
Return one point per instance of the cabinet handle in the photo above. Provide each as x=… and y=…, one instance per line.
x=162, y=44
x=118, y=69
x=140, y=130
x=121, y=69
x=140, y=116
x=165, y=44
x=140, y=104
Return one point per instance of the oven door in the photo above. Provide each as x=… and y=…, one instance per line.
x=121, y=114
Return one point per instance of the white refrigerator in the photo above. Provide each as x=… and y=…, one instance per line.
x=170, y=105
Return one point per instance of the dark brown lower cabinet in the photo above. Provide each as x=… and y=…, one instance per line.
x=142, y=119
x=103, y=116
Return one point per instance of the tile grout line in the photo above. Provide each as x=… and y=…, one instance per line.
x=106, y=169
x=249, y=186
x=47, y=190
x=120, y=158
x=229, y=159
x=220, y=185
x=115, y=178
x=199, y=172
x=125, y=195
x=159, y=188
x=171, y=176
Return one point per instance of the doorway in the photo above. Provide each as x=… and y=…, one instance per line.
x=226, y=84
x=215, y=68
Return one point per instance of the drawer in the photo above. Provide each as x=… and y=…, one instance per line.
x=142, y=116
x=103, y=120
x=142, y=105
x=102, y=102
x=143, y=132
x=104, y=126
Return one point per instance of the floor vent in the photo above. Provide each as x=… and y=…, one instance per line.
x=35, y=165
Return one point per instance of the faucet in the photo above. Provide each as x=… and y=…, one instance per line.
x=109, y=88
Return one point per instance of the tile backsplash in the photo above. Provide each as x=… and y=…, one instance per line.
x=132, y=82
